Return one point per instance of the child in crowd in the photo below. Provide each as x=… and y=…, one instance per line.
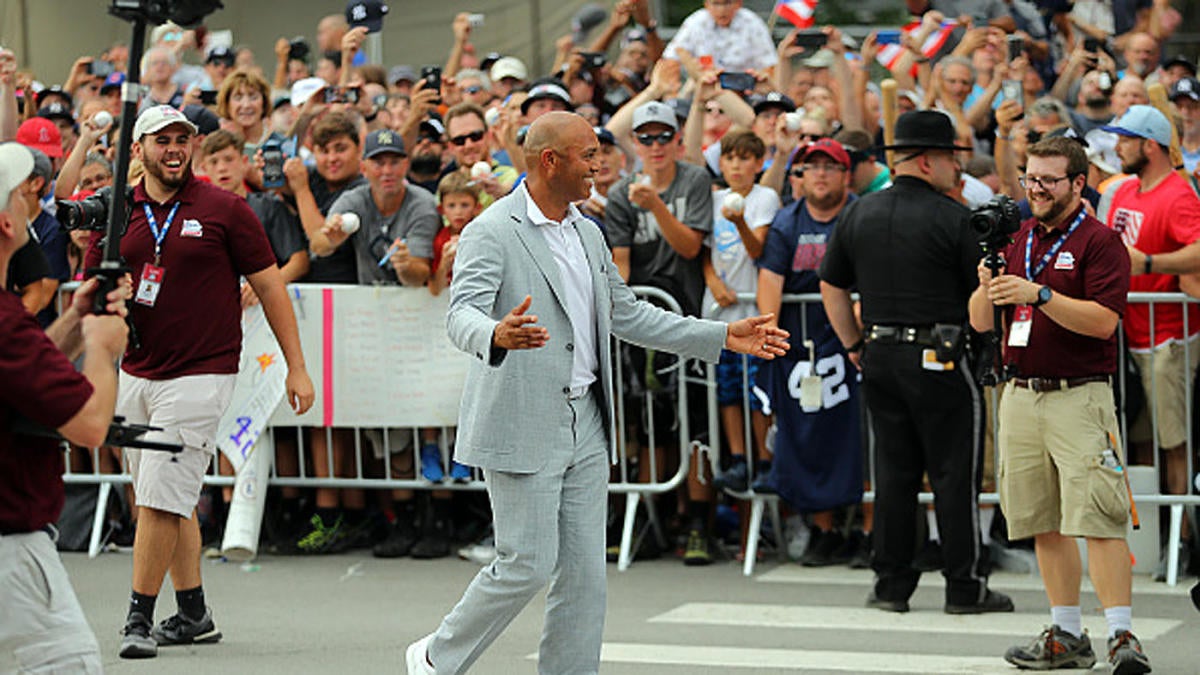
x=459, y=203
x=742, y=215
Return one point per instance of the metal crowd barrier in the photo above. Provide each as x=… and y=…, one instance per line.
x=378, y=470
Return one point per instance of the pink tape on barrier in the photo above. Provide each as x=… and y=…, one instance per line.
x=327, y=369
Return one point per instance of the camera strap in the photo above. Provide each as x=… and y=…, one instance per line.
x=159, y=235
x=1032, y=273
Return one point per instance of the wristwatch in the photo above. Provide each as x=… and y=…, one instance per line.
x=1044, y=295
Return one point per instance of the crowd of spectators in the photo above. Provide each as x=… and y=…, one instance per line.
x=704, y=139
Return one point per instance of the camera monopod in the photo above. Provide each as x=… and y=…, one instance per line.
x=993, y=371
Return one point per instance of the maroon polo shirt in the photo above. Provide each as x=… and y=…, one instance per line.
x=37, y=382
x=194, y=327
x=1092, y=264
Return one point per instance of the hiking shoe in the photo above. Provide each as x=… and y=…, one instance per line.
x=322, y=538
x=696, y=552
x=861, y=559
x=735, y=478
x=1053, y=648
x=875, y=602
x=823, y=550
x=136, y=642
x=431, y=463
x=994, y=601
x=1126, y=656
x=399, y=541
x=178, y=629
x=459, y=472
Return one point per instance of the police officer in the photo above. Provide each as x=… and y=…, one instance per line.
x=911, y=254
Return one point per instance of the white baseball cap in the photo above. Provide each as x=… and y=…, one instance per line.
x=157, y=118
x=302, y=90
x=16, y=163
x=509, y=66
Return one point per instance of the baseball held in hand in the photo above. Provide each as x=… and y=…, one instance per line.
x=349, y=223
x=480, y=170
x=101, y=119
x=734, y=202
x=491, y=116
x=793, y=120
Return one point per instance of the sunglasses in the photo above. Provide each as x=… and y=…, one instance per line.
x=473, y=89
x=663, y=138
x=474, y=137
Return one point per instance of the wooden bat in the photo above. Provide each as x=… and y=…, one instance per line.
x=887, y=90
x=1158, y=99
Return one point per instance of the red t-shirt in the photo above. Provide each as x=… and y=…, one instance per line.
x=194, y=327
x=1092, y=264
x=1162, y=220
x=439, y=240
x=39, y=384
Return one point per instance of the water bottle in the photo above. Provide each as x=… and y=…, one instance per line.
x=1109, y=460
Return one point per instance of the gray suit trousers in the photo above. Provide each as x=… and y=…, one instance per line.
x=549, y=529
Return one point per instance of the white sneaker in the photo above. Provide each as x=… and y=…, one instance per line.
x=416, y=657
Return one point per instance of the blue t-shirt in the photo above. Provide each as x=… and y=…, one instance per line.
x=794, y=249
x=52, y=239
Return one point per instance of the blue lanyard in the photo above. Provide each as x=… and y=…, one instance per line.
x=1049, y=255
x=159, y=235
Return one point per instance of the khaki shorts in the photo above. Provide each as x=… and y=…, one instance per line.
x=189, y=410
x=1052, y=478
x=1172, y=380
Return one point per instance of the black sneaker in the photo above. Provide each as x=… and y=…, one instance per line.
x=1196, y=595
x=434, y=541
x=696, y=553
x=875, y=602
x=861, y=559
x=136, y=642
x=994, y=601
x=1052, y=649
x=180, y=630
x=735, y=478
x=1126, y=656
x=824, y=550
x=399, y=541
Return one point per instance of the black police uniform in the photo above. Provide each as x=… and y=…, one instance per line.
x=912, y=256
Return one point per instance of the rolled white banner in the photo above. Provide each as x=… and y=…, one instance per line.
x=244, y=522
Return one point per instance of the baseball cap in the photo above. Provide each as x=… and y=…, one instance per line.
x=1102, y=151
x=773, y=99
x=1142, y=121
x=381, y=141
x=205, y=120
x=40, y=133
x=1181, y=60
x=221, y=54
x=55, y=90
x=1186, y=87
x=156, y=118
x=113, y=81
x=402, y=73
x=56, y=111
x=681, y=106
x=604, y=136
x=547, y=90
x=508, y=66
x=367, y=13
x=16, y=164
x=41, y=165
x=831, y=149
x=654, y=112
x=303, y=89
x=822, y=59
x=432, y=127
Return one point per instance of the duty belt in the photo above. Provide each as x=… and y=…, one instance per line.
x=1042, y=384
x=897, y=335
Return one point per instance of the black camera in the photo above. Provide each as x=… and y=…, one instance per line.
x=298, y=49
x=90, y=213
x=996, y=221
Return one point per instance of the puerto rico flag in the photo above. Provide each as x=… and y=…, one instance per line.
x=890, y=53
x=799, y=12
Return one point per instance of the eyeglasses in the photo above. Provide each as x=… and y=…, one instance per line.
x=474, y=137
x=663, y=138
x=823, y=168
x=472, y=89
x=1041, y=182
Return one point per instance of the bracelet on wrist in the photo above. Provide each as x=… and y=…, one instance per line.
x=1146, y=266
x=651, y=27
x=857, y=346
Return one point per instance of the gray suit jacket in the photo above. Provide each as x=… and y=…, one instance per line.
x=514, y=413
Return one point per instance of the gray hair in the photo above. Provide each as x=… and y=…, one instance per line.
x=959, y=61
x=1048, y=105
x=99, y=160
x=472, y=73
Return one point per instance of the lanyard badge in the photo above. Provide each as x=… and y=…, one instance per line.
x=152, y=273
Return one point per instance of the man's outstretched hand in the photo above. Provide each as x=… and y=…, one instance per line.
x=518, y=330
x=757, y=336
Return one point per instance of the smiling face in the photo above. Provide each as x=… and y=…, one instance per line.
x=166, y=155
x=246, y=106
x=1049, y=196
x=338, y=159
x=575, y=166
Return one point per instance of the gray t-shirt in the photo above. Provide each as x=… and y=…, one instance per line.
x=416, y=221
x=652, y=261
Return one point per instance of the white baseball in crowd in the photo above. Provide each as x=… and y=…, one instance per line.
x=734, y=202
x=101, y=119
x=491, y=116
x=793, y=120
x=349, y=223
x=480, y=170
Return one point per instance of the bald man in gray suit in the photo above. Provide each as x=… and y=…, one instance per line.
x=536, y=407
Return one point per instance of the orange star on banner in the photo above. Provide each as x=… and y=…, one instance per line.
x=265, y=361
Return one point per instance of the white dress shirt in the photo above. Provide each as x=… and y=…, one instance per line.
x=567, y=248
